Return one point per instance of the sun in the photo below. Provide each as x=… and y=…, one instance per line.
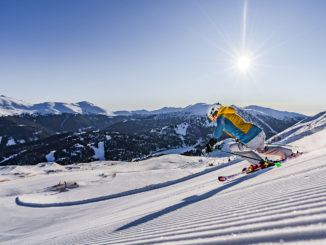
x=244, y=63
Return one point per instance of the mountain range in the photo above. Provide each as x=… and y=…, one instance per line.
x=10, y=106
x=85, y=132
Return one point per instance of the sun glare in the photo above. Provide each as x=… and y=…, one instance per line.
x=244, y=63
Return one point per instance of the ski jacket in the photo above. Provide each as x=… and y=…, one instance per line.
x=230, y=122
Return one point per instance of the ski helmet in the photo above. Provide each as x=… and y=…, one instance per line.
x=213, y=110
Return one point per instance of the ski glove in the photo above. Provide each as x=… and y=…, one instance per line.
x=210, y=145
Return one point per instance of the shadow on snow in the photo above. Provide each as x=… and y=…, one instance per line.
x=125, y=193
x=188, y=201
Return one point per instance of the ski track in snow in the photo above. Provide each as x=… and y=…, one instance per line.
x=117, y=195
x=290, y=206
x=170, y=200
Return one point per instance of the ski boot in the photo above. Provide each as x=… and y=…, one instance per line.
x=261, y=165
x=251, y=169
x=267, y=163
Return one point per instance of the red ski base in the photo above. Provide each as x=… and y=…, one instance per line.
x=224, y=178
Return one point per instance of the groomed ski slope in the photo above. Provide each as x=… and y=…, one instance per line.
x=168, y=200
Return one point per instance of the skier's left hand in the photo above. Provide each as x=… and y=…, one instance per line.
x=219, y=146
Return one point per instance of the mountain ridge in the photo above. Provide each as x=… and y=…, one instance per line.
x=30, y=140
x=10, y=107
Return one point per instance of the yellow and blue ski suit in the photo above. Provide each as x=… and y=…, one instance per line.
x=229, y=121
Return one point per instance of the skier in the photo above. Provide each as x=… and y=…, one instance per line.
x=249, y=137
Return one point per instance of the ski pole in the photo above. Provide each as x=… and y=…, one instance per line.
x=280, y=145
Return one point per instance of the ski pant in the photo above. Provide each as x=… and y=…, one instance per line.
x=258, y=144
x=248, y=153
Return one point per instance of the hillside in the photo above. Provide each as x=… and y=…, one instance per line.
x=303, y=128
x=170, y=199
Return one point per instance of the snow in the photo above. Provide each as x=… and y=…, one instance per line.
x=200, y=109
x=196, y=109
x=99, y=151
x=78, y=145
x=181, y=129
x=21, y=141
x=171, y=199
x=50, y=157
x=306, y=127
x=281, y=115
x=10, y=142
x=11, y=156
x=175, y=151
x=10, y=106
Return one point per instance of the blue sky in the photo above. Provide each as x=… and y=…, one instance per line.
x=150, y=54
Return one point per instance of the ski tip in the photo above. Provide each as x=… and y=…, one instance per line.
x=222, y=178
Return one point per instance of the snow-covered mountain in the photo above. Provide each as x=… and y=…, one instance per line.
x=164, y=110
x=263, y=111
x=196, y=109
x=305, y=127
x=170, y=199
x=10, y=107
x=200, y=109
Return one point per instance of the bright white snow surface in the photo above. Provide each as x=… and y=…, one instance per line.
x=99, y=151
x=171, y=199
x=50, y=157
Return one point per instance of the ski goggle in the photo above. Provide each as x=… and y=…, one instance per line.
x=213, y=116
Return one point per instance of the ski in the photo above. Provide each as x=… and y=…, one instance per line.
x=276, y=163
x=224, y=178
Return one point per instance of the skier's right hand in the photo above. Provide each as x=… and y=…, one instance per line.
x=210, y=145
x=208, y=148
